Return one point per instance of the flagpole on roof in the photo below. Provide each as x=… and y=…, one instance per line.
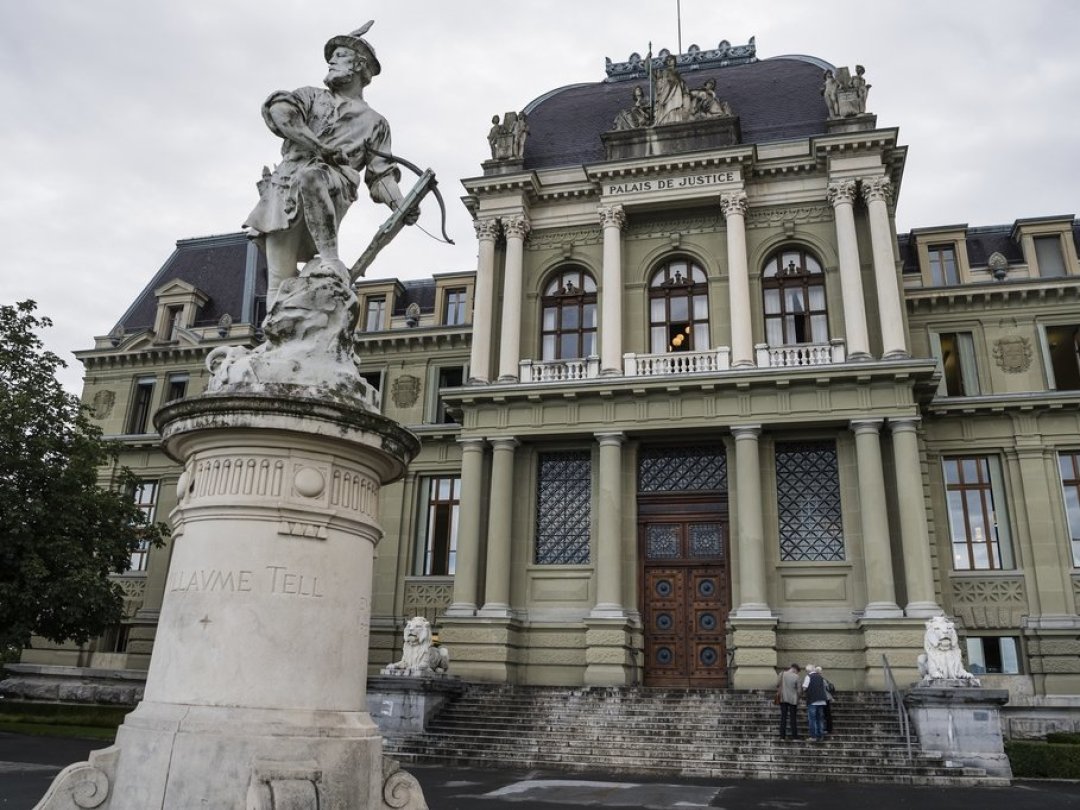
x=678, y=17
x=652, y=90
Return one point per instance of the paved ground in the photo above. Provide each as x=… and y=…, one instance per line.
x=28, y=764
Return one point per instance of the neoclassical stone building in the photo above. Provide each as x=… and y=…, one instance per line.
x=698, y=411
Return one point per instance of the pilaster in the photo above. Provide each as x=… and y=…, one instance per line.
x=609, y=573
x=483, y=299
x=914, y=535
x=612, y=221
x=467, y=565
x=877, y=191
x=516, y=229
x=750, y=531
x=841, y=194
x=734, y=206
x=880, y=585
x=497, y=581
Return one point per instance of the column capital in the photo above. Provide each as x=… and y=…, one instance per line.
x=470, y=443
x=904, y=424
x=734, y=202
x=876, y=189
x=612, y=215
x=615, y=438
x=859, y=426
x=746, y=432
x=516, y=226
x=841, y=191
x=503, y=442
x=487, y=228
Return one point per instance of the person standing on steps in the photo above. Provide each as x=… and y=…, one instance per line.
x=830, y=694
x=816, y=700
x=787, y=695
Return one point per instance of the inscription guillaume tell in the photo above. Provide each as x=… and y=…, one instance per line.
x=273, y=579
x=671, y=183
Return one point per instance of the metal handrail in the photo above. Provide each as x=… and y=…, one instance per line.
x=896, y=699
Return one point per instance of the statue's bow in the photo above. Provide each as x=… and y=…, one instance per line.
x=389, y=229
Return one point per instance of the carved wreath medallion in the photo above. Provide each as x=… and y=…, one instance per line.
x=1013, y=354
x=103, y=404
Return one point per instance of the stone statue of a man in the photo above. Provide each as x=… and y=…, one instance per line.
x=328, y=139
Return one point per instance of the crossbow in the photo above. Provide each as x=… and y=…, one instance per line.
x=389, y=229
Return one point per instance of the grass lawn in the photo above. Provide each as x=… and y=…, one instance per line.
x=61, y=720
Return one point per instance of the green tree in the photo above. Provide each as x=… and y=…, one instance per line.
x=61, y=534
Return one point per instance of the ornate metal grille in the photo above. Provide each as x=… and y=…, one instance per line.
x=563, y=508
x=662, y=541
x=706, y=540
x=681, y=469
x=808, y=503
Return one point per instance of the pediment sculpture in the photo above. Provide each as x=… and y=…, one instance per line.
x=507, y=137
x=845, y=95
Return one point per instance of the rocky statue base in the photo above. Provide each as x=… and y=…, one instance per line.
x=963, y=724
x=255, y=698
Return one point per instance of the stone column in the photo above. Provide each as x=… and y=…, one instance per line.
x=880, y=587
x=500, y=528
x=483, y=295
x=467, y=564
x=516, y=229
x=612, y=220
x=842, y=197
x=876, y=192
x=609, y=573
x=751, y=534
x=918, y=572
x=742, y=339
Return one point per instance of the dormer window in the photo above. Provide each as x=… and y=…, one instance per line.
x=1049, y=256
x=944, y=270
x=1048, y=246
x=178, y=306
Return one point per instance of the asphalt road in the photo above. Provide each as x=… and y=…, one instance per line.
x=28, y=765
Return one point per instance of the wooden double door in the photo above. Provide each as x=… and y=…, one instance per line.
x=686, y=594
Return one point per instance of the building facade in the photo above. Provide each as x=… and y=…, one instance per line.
x=699, y=410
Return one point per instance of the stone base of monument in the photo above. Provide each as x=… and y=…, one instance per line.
x=689, y=136
x=961, y=721
x=255, y=697
x=403, y=704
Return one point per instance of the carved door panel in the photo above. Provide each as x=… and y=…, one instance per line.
x=685, y=601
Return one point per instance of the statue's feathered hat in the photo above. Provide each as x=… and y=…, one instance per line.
x=354, y=42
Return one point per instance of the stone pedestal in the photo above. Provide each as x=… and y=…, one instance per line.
x=962, y=722
x=609, y=652
x=255, y=697
x=485, y=649
x=670, y=139
x=403, y=704
x=755, y=660
x=899, y=640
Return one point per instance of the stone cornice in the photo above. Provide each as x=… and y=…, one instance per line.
x=736, y=157
x=97, y=359
x=992, y=294
x=415, y=338
x=774, y=216
x=998, y=404
x=526, y=182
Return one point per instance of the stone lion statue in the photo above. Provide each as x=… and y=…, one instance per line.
x=419, y=656
x=942, y=660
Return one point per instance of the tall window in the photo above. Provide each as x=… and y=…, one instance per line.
x=794, y=289
x=454, y=307
x=679, y=308
x=177, y=387
x=175, y=318
x=1063, y=344
x=145, y=497
x=563, y=508
x=1069, y=465
x=978, y=523
x=993, y=655
x=375, y=313
x=808, y=502
x=568, y=327
x=440, y=527
x=956, y=352
x=1049, y=257
x=446, y=377
x=943, y=267
x=142, y=398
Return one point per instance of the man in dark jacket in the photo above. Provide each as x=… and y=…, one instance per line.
x=816, y=699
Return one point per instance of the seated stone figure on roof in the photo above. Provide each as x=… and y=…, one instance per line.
x=705, y=104
x=637, y=116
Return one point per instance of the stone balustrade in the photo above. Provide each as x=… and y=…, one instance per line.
x=802, y=354
x=538, y=371
x=661, y=365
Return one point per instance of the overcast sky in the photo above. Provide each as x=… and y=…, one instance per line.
x=129, y=124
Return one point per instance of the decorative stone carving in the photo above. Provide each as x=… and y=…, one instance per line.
x=331, y=138
x=773, y=217
x=486, y=229
x=734, y=203
x=308, y=349
x=224, y=324
x=412, y=314
x=102, y=404
x=705, y=104
x=84, y=784
x=999, y=266
x=635, y=116
x=419, y=656
x=405, y=390
x=942, y=660
x=722, y=55
x=507, y=138
x=672, y=103
x=842, y=191
x=401, y=791
x=845, y=95
x=876, y=189
x=1013, y=354
x=116, y=336
x=612, y=215
x=518, y=227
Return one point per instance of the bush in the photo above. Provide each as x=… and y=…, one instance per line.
x=60, y=714
x=1045, y=760
x=1066, y=737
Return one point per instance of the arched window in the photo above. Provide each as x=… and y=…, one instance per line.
x=678, y=308
x=794, y=289
x=568, y=323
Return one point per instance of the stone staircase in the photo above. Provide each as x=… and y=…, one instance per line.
x=673, y=732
